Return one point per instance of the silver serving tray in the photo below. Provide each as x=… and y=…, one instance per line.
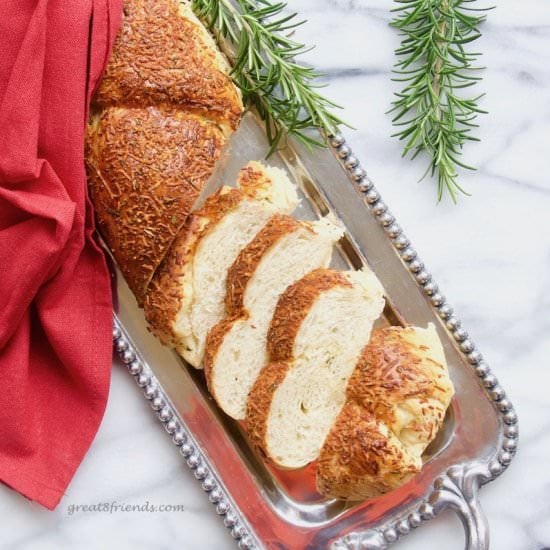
x=267, y=508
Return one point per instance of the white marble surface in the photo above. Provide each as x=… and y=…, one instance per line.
x=490, y=255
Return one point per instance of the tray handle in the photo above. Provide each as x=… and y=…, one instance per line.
x=457, y=490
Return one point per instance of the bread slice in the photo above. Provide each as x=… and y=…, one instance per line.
x=163, y=55
x=397, y=398
x=319, y=328
x=283, y=252
x=145, y=170
x=186, y=296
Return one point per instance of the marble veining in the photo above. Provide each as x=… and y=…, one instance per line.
x=490, y=255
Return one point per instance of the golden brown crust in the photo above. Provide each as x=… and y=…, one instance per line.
x=218, y=205
x=259, y=402
x=214, y=340
x=165, y=292
x=387, y=374
x=358, y=460
x=387, y=366
x=248, y=259
x=160, y=57
x=292, y=308
x=253, y=179
x=145, y=169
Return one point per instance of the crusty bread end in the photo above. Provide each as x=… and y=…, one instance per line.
x=397, y=398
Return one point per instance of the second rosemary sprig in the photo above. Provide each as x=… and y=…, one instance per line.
x=433, y=112
x=285, y=92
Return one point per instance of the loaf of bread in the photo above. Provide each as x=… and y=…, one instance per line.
x=241, y=287
x=159, y=121
x=283, y=251
x=319, y=328
x=186, y=297
x=396, y=402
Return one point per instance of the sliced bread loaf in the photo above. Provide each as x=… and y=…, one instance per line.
x=320, y=325
x=397, y=398
x=186, y=296
x=159, y=121
x=145, y=170
x=283, y=252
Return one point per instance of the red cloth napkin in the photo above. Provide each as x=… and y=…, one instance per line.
x=55, y=299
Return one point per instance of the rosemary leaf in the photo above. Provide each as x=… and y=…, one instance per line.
x=265, y=68
x=431, y=112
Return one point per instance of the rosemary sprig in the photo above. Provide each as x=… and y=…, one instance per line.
x=284, y=92
x=432, y=111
